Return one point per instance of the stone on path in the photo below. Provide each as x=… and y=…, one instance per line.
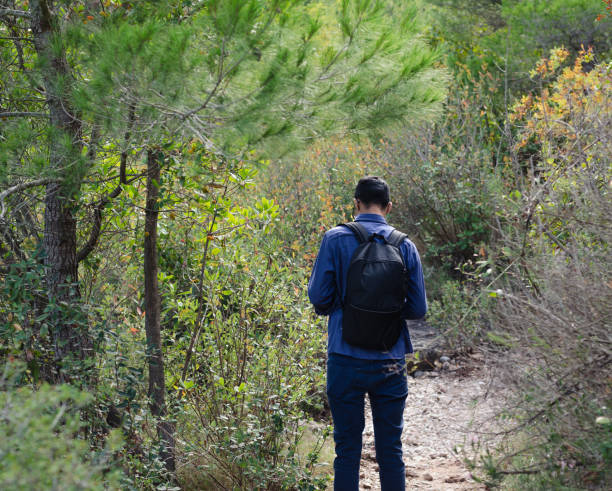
x=454, y=479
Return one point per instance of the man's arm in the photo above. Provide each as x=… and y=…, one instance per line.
x=322, y=289
x=416, y=300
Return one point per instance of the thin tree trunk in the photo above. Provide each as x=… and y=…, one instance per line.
x=71, y=339
x=155, y=358
x=61, y=275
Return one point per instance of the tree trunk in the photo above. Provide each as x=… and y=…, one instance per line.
x=72, y=343
x=70, y=333
x=155, y=358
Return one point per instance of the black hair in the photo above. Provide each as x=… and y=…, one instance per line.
x=372, y=190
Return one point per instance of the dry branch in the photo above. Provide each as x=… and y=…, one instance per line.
x=14, y=13
x=21, y=187
x=23, y=114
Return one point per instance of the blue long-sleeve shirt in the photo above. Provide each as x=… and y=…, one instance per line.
x=327, y=286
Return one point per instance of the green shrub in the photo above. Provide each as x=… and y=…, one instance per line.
x=42, y=444
x=444, y=183
x=459, y=312
x=256, y=375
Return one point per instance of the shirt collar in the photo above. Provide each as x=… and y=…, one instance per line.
x=370, y=217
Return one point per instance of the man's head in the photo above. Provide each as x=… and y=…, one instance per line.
x=372, y=196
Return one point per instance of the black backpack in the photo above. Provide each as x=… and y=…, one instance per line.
x=375, y=290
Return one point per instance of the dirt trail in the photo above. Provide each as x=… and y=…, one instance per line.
x=445, y=411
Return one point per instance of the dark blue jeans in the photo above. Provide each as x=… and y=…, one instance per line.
x=348, y=380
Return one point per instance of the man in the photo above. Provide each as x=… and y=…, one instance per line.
x=353, y=371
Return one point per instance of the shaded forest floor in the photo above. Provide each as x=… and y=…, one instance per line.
x=447, y=410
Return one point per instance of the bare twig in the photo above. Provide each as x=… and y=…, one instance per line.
x=21, y=187
x=532, y=306
x=14, y=13
x=23, y=114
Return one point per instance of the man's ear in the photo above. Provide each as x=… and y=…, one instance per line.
x=356, y=203
x=389, y=206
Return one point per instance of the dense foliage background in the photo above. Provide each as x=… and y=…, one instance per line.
x=168, y=170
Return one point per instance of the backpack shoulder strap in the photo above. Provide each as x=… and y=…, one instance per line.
x=358, y=229
x=396, y=238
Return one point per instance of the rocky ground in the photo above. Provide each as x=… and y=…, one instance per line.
x=447, y=410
